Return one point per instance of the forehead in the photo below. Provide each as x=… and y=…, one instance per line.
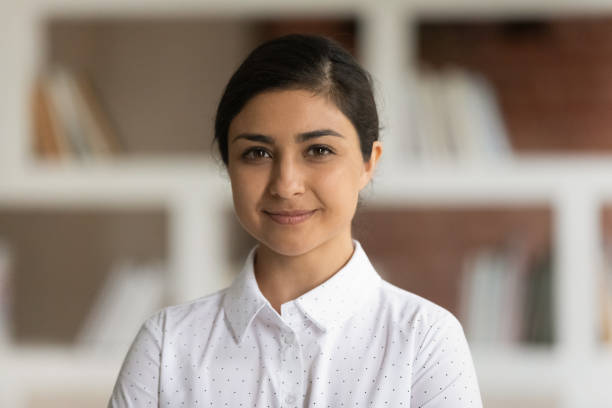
x=287, y=112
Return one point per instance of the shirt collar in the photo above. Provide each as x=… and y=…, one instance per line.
x=327, y=305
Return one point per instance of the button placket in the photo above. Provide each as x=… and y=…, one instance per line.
x=291, y=358
x=291, y=370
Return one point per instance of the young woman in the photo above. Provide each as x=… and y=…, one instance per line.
x=308, y=322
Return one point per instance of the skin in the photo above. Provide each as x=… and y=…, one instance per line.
x=285, y=172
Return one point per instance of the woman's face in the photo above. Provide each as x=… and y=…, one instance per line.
x=296, y=169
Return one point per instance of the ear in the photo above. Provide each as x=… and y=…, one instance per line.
x=370, y=165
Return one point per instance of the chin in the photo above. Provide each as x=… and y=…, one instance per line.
x=288, y=247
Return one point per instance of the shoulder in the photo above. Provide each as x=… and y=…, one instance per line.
x=414, y=313
x=201, y=311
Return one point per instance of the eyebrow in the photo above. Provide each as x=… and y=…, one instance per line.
x=301, y=137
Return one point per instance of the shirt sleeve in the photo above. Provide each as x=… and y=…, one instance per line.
x=444, y=374
x=138, y=380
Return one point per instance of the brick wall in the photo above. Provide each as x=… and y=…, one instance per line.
x=553, y=78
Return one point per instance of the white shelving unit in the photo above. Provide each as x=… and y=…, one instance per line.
x=195, y=192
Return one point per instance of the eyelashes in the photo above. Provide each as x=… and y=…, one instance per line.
x=260, y=153
x=321, y=150
x=254, y=153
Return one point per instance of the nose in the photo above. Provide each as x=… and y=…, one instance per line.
x=286, y=179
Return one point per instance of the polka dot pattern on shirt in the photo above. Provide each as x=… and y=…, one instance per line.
x=355, y=340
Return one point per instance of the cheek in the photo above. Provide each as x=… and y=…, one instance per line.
x=338, y=188
x=246, y=191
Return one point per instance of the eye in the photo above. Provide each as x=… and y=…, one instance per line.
x=320, y=150
x=255, y=153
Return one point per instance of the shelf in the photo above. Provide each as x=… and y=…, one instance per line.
x=526, y=371
x=43, y=373
x=442, y=8
x=60, y=365
x=152, y=180
x=482, y=9
x=142, y=182
x=521, y=180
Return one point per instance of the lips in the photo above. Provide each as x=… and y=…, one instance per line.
x=290, y=217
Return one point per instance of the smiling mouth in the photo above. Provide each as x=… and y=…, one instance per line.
x=290, y=218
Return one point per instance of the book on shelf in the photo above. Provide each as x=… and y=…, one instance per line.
x=605, y=295
x=455, y=117
x=539, y=319
x=505, y=298
x=132, y=292
x=46, y=128
x=69, y=121
x=432, y=138
x=6, y=275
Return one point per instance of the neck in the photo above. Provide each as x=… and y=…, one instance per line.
x=282, y=278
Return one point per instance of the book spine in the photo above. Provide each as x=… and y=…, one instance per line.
x=45, y=137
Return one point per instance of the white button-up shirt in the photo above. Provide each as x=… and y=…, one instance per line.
x=353, y=341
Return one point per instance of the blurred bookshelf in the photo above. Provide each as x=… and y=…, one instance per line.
x=111, y=73
x=494, y=153
x=489, y=266
x=70, y=252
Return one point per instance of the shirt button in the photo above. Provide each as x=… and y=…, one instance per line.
x=290, y=399
x=288, y=338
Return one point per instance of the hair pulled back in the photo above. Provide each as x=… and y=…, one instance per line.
x=308, y=62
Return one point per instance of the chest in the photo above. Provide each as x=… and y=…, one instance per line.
x=354, y=366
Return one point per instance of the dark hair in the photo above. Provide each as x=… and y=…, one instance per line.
x=302, y=61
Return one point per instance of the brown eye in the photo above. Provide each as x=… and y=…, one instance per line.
x=320, y=150
x=254, y=154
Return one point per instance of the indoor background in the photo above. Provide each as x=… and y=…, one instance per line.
x=493, y=197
